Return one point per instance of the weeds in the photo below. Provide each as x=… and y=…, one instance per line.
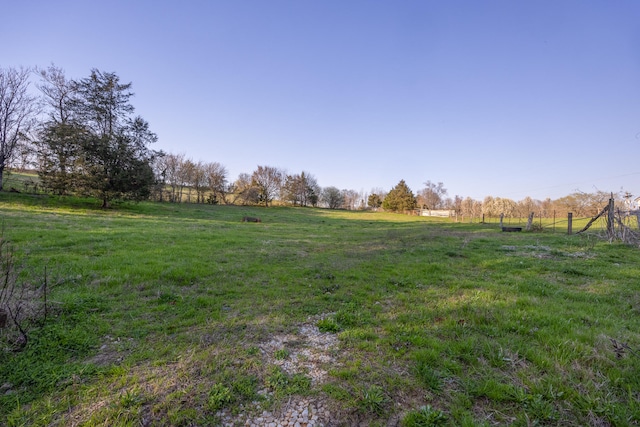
x=23, y=306
x=424, y=417
x=281, y=354
x=283, y=384
x=372, y=399
x=130, y=399
x=219, y=396
x=328, y=324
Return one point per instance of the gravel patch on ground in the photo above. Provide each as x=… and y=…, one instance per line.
x=306, y=351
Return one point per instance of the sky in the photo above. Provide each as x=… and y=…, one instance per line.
x=502, y=98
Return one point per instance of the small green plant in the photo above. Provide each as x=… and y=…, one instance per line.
x=424, y=417
x=281, y=354
x=349, y=315
x=130, y=399
x=277, y=379
x=219, y=396
x=372, y=399
x=283, y=384
x=167, y=298
x=328, y=325
x=428, y=376
x=245, y=387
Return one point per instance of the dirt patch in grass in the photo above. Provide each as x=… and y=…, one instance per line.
x=112, y=351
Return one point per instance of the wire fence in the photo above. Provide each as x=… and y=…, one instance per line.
x=555, y=225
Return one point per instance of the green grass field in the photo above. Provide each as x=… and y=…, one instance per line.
x=174, y=315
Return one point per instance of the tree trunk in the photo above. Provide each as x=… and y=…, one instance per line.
x=1, y=177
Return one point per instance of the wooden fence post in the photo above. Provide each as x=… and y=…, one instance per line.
x=570, y=220
x=610, y=218
x=530, y=221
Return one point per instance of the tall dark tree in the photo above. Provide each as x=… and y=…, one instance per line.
x=17, y=113
x=312, y=190
x=116, y=157
x=374, y=201
x=60, y=157
x=59, y=138
x=400, y=198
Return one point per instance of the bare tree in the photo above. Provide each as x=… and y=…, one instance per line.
x=546, y=208
x=18, y=110
x=499, y=206
x=432, y=196
x=58, y=94
x=268, y=180
x=526, y=206
x=244, y=190
x=476, y=208
x=332, y=197
x=199, y=181
x=187, y=176
x=488, y=207
x=456, y=205
x=581, y=204
x=351, y=199
x=172, y=171
x=470, y=208
x=216, y=179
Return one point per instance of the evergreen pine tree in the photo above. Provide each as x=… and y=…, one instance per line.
x=400, y=199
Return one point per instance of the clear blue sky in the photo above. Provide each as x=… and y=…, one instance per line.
x=504, y=98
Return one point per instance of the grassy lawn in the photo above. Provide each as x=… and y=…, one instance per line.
x=181, y=314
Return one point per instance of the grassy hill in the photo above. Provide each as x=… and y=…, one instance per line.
x=164, y=314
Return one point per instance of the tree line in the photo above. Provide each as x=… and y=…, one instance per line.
x=83, y=138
